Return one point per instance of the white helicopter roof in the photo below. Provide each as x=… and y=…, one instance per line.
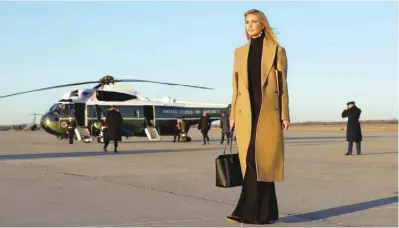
x=121, y=88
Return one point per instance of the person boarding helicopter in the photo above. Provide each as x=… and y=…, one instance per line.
x=113, y=122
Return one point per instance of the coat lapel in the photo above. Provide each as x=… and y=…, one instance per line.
x=244, y=75
x=268, y=55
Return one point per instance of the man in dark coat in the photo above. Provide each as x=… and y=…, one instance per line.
x=113, y=122
x=225, y=126
x=353, y=129
x=71, y=125
x=204, y=125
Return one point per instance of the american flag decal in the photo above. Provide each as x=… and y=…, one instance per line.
x=86, y=94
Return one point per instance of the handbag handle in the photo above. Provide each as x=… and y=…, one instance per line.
x=231, y=143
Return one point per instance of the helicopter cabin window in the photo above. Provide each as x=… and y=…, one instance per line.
x=101, y=110
x=96, y=111
x=126, y=111
x=114, y=96
x=136, y=113
x=91, y=111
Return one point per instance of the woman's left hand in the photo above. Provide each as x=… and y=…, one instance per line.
x=285, y=124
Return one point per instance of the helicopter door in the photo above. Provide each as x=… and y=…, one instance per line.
x=80, y=110
x=149, y=115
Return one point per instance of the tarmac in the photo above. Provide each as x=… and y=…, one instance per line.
x=47, y=182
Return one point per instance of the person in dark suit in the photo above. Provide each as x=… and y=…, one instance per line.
x=353, y=129
x=205, y=125
x=113, y=122
x=225, y=126
x=71, y=129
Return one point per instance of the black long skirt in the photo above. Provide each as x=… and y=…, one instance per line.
x=258, y=200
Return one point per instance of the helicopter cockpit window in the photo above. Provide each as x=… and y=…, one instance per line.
x=67, y=109
x=56, y=109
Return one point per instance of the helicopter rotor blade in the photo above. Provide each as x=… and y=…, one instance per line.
x=163, y=83
x=105, y=80
x=48, y=88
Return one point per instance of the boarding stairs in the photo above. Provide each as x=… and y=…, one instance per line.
x=152, y=133
x=82, y=134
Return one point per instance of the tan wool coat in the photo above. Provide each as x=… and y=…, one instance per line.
x=269, y=142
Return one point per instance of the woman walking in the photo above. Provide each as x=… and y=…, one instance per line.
x=259, y=114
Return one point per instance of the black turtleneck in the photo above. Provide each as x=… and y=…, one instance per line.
x=254, y=74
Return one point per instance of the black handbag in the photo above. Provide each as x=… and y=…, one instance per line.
x=228, y=169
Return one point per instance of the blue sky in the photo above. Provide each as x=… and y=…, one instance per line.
x=337, y=52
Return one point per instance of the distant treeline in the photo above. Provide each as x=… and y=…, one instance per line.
x=393, y=121
x=12, y=127
x=17, y=127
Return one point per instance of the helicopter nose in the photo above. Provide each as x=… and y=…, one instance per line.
x=48, y=119
x=50, y=122
x=44, y=120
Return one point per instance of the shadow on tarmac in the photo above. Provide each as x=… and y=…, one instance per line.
x=337, y=211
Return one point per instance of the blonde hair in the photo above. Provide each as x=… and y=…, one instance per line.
x=263, y=20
